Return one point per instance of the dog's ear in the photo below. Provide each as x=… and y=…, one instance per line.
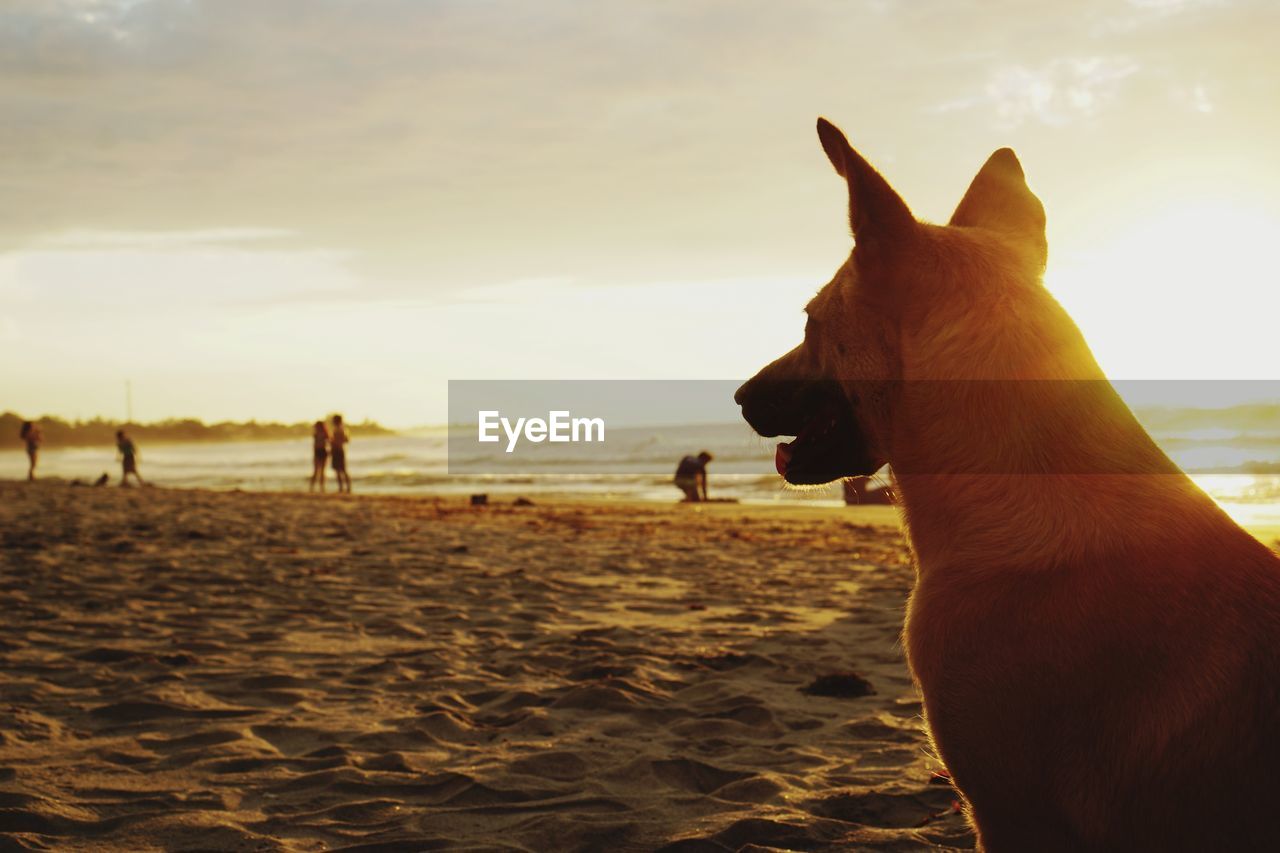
x=876, y=212
x=999, y=199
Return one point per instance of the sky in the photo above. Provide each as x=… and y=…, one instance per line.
x=275, y=210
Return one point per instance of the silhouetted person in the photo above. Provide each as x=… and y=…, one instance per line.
x=320, y=444
x=30, y=433
x=338, y=452
x=691, y=476
x=128, y=458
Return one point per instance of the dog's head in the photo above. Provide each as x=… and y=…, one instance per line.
x=837, y=391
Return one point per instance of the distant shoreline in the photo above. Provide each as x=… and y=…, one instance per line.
x=98, y=432
x=155, y=441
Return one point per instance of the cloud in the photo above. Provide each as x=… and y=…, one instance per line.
x=160, y=240
x=1195, y=98
x=1055, y=93
x=438, y=140
x=448, y=144
x=1165, y=8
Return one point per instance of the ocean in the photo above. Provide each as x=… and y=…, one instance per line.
x=632, y=464
x=1235, y=466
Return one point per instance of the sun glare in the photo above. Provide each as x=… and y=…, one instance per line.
x=1186, y=292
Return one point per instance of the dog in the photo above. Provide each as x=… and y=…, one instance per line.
x=1096, y=642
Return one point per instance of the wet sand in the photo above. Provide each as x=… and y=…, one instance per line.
x=189, y=670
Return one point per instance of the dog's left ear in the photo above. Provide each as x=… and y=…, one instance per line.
x=877, y=215
x=999, y=199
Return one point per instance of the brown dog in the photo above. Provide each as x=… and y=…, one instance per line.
x=1097, y=643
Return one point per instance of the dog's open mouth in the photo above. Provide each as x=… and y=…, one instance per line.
x=829, y=443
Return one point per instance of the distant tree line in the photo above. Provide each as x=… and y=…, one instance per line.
x=60, y=433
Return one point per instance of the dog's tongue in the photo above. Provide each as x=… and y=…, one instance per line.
x=782, y=457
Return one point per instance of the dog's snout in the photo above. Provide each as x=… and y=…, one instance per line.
x=763, y=406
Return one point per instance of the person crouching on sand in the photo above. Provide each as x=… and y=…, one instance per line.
x=30, y=433
x=691, y=477
x=338, y=451
x=128, y=458
x=320, y=443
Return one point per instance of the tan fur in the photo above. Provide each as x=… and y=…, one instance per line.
x=1097, y=643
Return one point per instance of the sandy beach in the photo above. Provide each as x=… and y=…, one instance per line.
x=193, y=670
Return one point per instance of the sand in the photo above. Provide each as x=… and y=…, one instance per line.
x=188, y=670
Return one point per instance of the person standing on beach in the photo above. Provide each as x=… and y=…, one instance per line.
x=691, y=477
x=128, y=457
x=30, y=433
x=338, y=451
x=320, y=443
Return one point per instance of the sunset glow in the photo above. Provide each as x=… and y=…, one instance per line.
x=249, y=217
x=1185, y=292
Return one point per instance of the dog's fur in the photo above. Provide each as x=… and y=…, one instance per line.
x=1097, y=643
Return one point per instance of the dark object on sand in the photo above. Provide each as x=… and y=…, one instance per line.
x=479, y=500
x=840, y=685
x=522, y=502
x=103, y=480
x=857, y=493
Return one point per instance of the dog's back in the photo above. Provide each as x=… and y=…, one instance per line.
x=1121, y=697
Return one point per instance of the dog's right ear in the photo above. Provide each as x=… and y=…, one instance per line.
x=877, y=214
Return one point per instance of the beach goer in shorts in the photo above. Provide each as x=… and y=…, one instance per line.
x=320, y=455
x=128, y=458
x=30, y=434
x=691, y=477
x=338, y=453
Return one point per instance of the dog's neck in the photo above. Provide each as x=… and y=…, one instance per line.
x=1007, y=441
